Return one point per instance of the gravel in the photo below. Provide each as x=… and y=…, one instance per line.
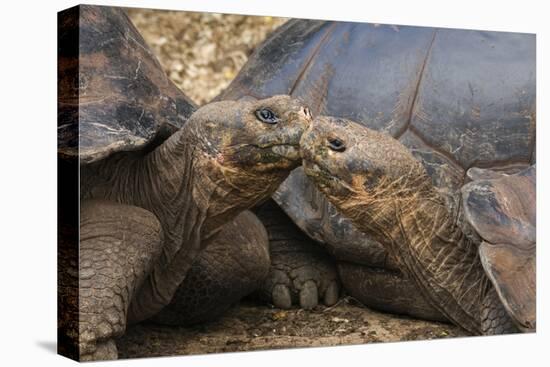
x=202, y=52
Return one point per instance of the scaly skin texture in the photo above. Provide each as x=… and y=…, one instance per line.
x=223, y=161
x=376, y=182
x=301, y=272
x=386, y=290
x=118, y=246
x=233, y=264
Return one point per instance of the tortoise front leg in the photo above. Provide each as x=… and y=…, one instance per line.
x=118, y=246
x=494, y=317
x=387, y=290
x=233, y=264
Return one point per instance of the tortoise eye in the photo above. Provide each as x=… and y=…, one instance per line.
x=267, y=115
x=336, y=144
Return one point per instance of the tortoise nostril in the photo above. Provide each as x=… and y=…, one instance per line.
x=336, y=144
x=306, y=112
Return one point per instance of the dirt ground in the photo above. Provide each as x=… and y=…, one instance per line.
x=252, y=326
x=202, y=53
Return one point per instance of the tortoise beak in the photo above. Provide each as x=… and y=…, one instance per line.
x=303, y=121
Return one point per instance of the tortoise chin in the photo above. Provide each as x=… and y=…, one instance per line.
x=318, y=173
x=329, y=183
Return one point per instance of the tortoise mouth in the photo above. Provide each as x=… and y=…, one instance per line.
x=288, y=151
x=322, y=175
x=275, y=157
x=272, y=151
x=327, y=181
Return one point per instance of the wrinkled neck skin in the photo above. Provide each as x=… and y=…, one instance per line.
x=411, y=218
x=160, y=182
x=223, y=191
x=190, y=193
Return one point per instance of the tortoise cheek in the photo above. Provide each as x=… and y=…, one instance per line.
x=370, y=183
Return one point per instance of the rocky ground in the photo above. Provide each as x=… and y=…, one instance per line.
x=202, y=53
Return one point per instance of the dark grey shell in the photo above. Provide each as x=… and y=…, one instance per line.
x=458, y=99
x=113, y=94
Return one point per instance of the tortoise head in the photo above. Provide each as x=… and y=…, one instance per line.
x=243, y=151
x=360, y=170
x=259, y=136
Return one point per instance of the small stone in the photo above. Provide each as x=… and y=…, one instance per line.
x=338, y=319
x=280, y=315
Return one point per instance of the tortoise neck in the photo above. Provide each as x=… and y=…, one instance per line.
x=179, y=175
x=161, y=181
x=165, y=179
x=426, y=239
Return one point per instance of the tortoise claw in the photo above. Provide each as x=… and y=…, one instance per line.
x=309, y=297
x=332, y=294
x=281, y=297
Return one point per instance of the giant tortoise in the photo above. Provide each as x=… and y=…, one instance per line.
x=376, y=181
x=462, y=101
x=132, y=109
x=159, y=180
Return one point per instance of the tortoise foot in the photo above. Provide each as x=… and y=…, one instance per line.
x=301, y=273
x=286, y=291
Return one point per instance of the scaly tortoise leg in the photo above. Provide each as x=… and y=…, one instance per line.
x=118, y=246
x=301, y=272
x=232, y=265
x=387, y=290
x=494, y=317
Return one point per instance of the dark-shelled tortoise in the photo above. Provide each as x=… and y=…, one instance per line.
x=462, y=101
x=388, y=194
x=159, y=181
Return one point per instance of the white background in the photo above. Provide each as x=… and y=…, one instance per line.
x=28, y=182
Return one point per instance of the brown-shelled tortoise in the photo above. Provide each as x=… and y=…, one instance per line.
x=462, y=103
x=159, y=181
